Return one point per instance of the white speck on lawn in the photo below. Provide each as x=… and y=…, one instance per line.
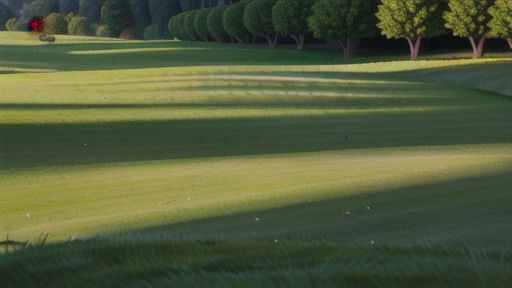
x=28, y=216
x=257, y=219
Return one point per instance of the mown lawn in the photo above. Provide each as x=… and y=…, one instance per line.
x=207, y=164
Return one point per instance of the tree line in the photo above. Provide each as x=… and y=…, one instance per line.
x=344, y=21
x=347, y=21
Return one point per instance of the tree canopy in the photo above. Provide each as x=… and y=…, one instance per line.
x=233, y=20
x=501, y=23
x=290, y=18
x=200, y=23
x=190, y=16
x=258, y=19
x=470, y=19
x=117, y=15
x=411, y=19
x=215, y=24
x=344, y=20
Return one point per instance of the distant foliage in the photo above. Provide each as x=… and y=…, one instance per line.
x=180, y=25
x=470, y=19
x=80, y=26
x=201, y=25
x=189, y=25
x=257, y=19
x=56, y=24
x=151, y=33
x=70, y=16
x=172, y=26
x=103, y=31
x=501, y=23
x=233, y=20
x=127, y=33
x=290, y=18
x=10, y=25
x=215, y=22
x=38, y=8
x=412, y=19
x=118, y=15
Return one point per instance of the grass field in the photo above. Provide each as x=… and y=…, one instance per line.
x=219, y=165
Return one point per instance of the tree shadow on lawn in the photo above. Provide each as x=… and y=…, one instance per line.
x=470, y=210
x=44, y=145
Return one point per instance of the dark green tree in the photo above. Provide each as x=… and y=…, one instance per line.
x=233, y=20
x=412, y=20
x=290, y=18
x=38, y=8
x=215, y=22
x=117, y=15
x=200, y=23
x=258, y=20
x=469, y=19
x=501, y=23
x=344, y=21
x=189, y=25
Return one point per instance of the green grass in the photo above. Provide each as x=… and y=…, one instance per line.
x=110, y=142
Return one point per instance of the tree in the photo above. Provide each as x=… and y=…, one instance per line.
x=38, y=8
x=258, y=20
x=233, y=20
x=80, y=26
x=11, y=24
x=56, y=24
x=189, y=25
x=200, y=23
x=501, y=23
x=290, y=18
x=412, y=20
x=469, y=19
x=344, y=20
x=215, y=22
x=117, y=15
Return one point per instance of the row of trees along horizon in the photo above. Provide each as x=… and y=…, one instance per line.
x=344, y=21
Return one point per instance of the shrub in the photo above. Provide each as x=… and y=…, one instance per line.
x=118, y=15
x=233, y=20
x=180, y=26
x=10, y=25
x=56, y=24
x=200, y=23
x=127, y=33
x=189, y=25
x=80, y=26
x=103, y=31
x=37, y=8
x=214, y=22
x=151, y=33
x=69, y=17
x=172, y=27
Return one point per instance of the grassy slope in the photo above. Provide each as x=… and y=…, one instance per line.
x=247, y=142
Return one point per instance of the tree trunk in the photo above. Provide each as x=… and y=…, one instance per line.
x=415, y=48
x=271, y=44
x=349, y=48
x=509, y=42
x=253, y=39
x=238, y=39
x=478, y=50
x=300, y=41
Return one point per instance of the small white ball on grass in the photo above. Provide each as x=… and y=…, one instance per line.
x=85, y=144
x=373, y=242
x=276, y=240
x=347, y=213
x=368, y=207
x=188, y=199
x=257, y=219
x=28, y=216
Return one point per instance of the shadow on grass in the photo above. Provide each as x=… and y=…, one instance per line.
x=41, y=145
x=469, y=211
